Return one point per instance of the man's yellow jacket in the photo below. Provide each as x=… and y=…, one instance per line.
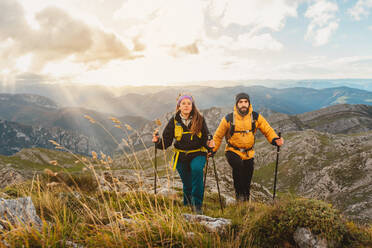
x=243, y=140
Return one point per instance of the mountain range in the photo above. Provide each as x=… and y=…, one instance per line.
x=152, y=102
x=30, y=121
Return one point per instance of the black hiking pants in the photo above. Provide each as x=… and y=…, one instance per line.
x=242, y=174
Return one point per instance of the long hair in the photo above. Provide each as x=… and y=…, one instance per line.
x=197, y=119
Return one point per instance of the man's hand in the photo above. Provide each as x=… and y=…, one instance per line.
x=279, y=142
x=211, y=154
x=211, y=144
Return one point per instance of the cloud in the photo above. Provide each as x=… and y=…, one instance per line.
x=244, y=43
x=260, y=42
x=138, y=46
x=12, y=21
x=257, y=14
x=190, y=49
x=182, y=28
x=360, y=9
x=164, y=22
x=58, y=36
x=323, y=22
x=370, y=28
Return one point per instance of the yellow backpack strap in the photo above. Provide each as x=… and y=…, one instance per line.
x=178, y=130
x=177, y=154
x=175, y=158
x=199, y=135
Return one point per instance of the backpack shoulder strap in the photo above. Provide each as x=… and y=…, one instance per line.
x=255, y=115
x=230, y=119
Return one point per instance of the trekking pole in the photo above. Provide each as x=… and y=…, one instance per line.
x=156, y=164
x=218, y=187
x=210, y=137
x=276, y=166
x=205, y=175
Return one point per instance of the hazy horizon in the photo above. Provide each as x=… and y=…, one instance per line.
x=360, y=83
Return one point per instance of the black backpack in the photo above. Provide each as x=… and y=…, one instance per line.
x=230, y=119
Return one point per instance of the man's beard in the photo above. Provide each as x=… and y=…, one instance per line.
x=243, y=112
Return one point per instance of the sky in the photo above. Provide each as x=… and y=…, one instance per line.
x=144, y=42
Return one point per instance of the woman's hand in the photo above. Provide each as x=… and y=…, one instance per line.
x=211, y=145
x=155, y=136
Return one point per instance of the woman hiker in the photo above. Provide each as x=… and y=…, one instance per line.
x=190, y=131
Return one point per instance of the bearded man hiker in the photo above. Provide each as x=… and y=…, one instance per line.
x=239, y=129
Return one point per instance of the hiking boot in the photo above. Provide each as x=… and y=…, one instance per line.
x=242, y=198
x=198, y=209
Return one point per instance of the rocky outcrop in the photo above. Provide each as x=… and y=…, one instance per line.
x=27, y=100
x=20, y=211
x=337, y=119
x=335, y=168
x=10, y=176
x=15, y=136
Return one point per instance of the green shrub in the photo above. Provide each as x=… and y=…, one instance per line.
x=358, y=236
x=277, y=224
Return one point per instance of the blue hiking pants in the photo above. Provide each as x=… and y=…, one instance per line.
x=191, y=174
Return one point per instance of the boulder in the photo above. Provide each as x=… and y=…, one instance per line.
x=305, y=239
x=9, y=176
x=218, y=225
x=20, y=211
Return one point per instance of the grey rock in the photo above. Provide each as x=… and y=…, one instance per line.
x=9, y=176
x=218, y=225
x=71, y=244
x=168, y=192
x=229, y=200
x=305, y=239
x=19, y=211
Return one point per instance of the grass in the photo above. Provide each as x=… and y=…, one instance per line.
x=94, y=218
x=75, y=207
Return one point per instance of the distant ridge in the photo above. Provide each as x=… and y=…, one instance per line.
x=156, y=101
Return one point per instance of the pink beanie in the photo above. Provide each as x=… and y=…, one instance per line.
x=184, y=97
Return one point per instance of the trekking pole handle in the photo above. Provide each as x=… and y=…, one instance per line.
x=210, y=137
x=156, y=133
x=280, y=135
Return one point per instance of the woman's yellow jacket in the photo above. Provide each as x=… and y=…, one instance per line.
x=243, y=140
